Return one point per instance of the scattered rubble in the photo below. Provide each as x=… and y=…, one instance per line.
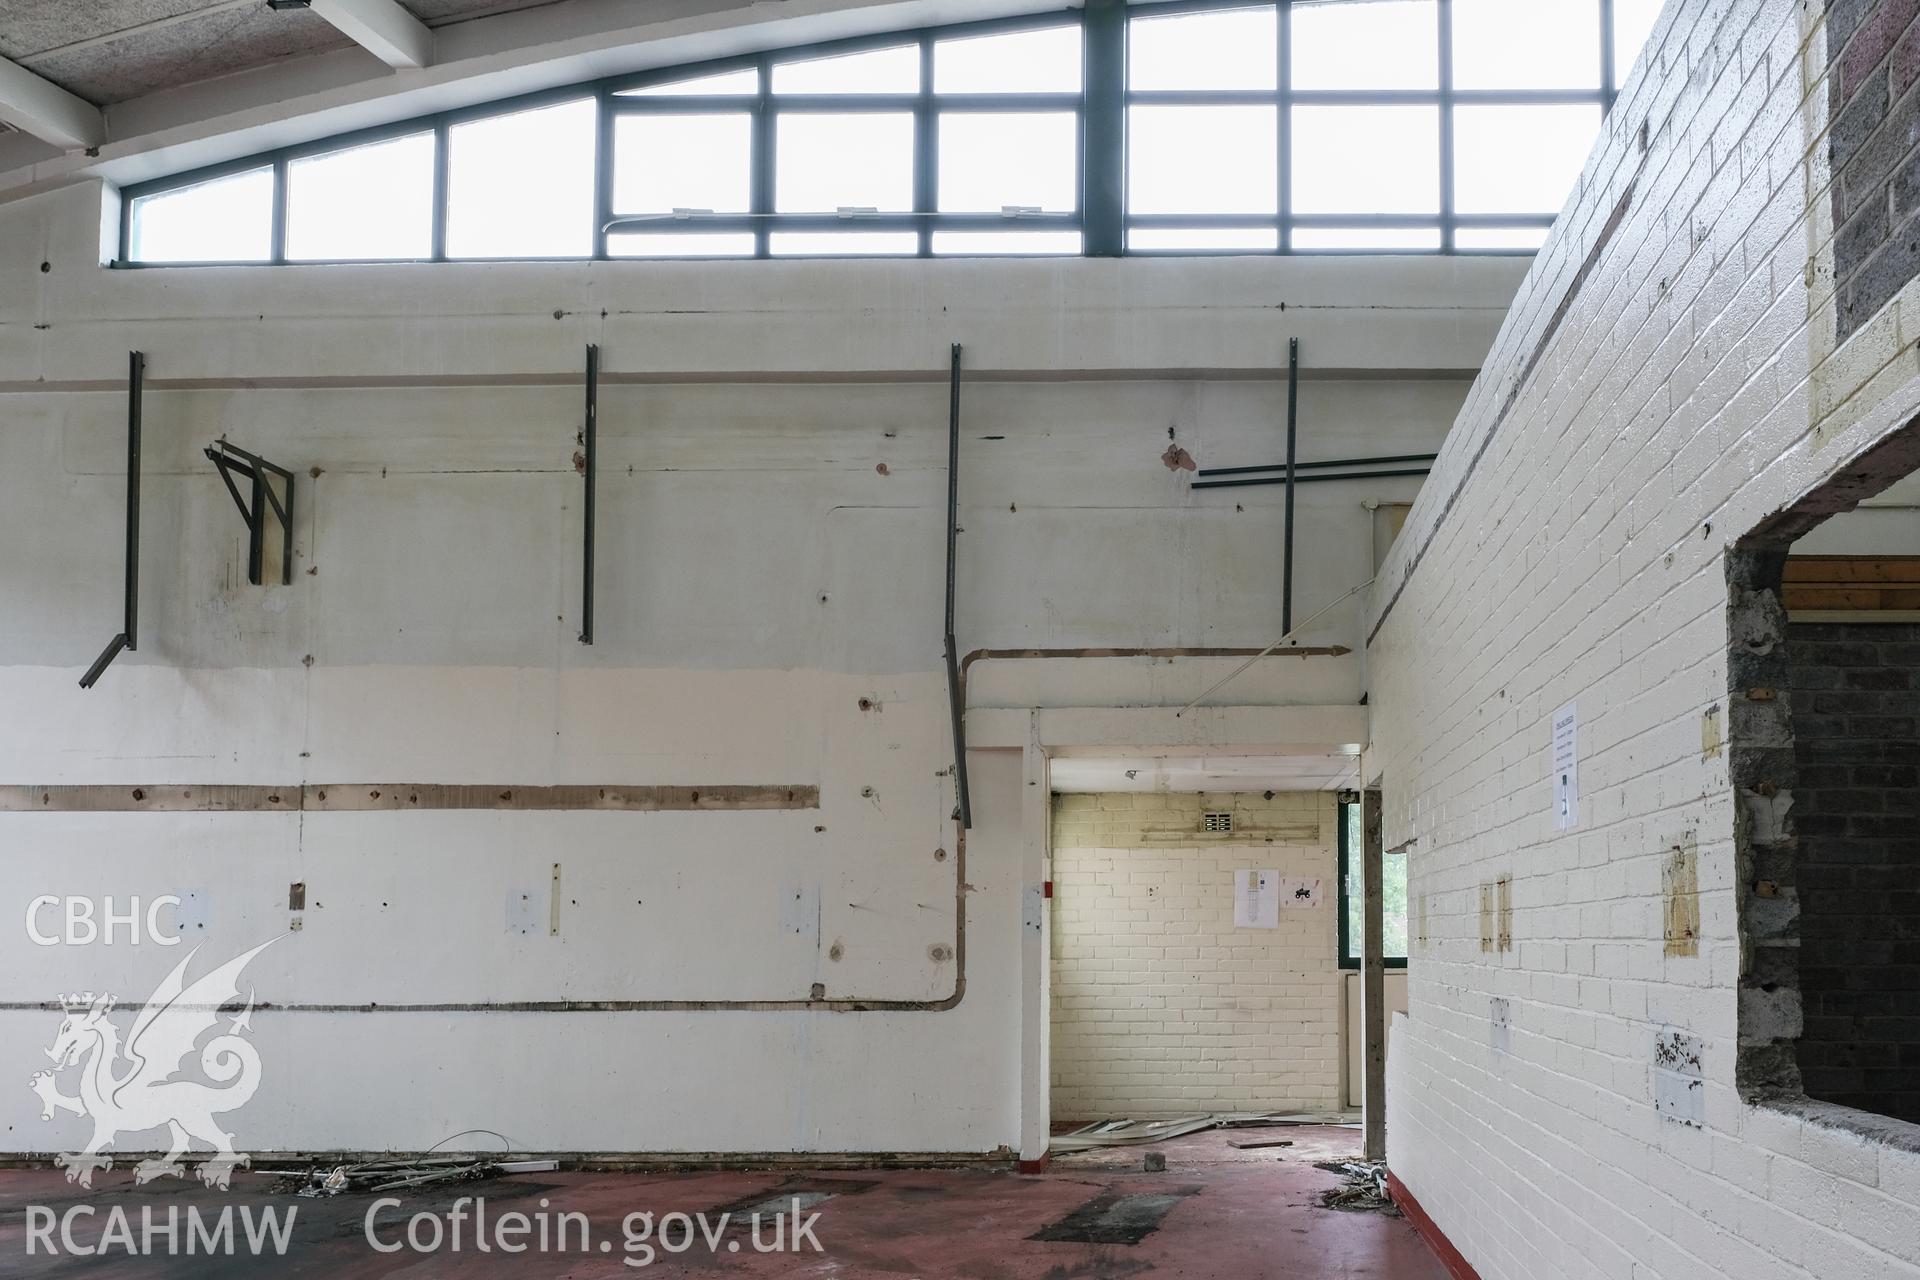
x=387, y=1175
x=1129, y=1133
x=1365, y=1189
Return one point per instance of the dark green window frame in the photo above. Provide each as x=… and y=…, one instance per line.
x=1348, y=954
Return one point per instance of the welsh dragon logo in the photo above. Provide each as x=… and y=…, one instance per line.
x=133, y=1087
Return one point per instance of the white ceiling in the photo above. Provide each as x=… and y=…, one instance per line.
x=1076, y=774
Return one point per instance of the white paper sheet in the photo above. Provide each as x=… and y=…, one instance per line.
x=1256, y=899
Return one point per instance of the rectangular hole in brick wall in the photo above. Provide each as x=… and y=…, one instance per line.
x=1823, y=752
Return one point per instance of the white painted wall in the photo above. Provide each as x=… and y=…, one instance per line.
x=1571, y=548
x=759, y=575
x=1353, y=1082
x=1161, y=1005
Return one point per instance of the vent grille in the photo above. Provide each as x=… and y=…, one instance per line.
x=1217, y=822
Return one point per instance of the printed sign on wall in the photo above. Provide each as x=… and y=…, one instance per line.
x=1256, y=899
x=1299, y=892
x=1566, y=767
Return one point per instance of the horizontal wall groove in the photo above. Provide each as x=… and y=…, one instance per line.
x=364, y=797
x=727, y=377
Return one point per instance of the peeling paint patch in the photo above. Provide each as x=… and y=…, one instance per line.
x=1710, y=739
x=1680, y=891
x=1500, y=1024
x=1679, y=1086
x=1503, y=925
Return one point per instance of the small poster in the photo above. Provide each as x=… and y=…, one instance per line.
x=1299, y=892
x=1566, y=767
x=1256, y=899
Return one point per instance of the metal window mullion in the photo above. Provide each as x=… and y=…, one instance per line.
x=764, y=159
x=691, y=105
x=1609, y=74
x=1104, y=128
x=1443, y=15
x=602, y=174
x=926, y=151
x=1283, y=107
x=442, y=148
x=277, y=251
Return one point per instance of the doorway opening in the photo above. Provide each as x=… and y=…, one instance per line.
x=1194, y=959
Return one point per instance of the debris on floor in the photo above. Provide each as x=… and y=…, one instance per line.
x=387, y=1175
x=1128, y=1133
x=1365, y=1189
x=1156, y=1162
x=1257, y=1144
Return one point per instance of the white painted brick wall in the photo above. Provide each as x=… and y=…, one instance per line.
x=1160, y=1005
x=1692, y=388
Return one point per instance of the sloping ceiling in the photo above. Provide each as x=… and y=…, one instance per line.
x=109, y=51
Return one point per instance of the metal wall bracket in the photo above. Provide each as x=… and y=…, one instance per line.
x=590, y=469
x=956, y=702
x=231, y=461
x=1293, y=414
x=129, y=637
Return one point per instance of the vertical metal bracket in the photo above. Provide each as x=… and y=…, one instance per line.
x=1286, y=559
x=129, y=637
x=590, y=459
x=955, y=709
x=231, y=460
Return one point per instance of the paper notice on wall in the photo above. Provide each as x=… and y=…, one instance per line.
x=1256, y=899
x=1566, y=767
x=1299, y=892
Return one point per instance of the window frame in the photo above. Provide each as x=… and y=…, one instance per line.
x=1341, y=826
x=1100, y=215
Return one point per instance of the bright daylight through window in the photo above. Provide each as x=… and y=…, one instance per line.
x=1268, y=126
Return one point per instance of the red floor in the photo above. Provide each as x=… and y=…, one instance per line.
x=1215, y=1212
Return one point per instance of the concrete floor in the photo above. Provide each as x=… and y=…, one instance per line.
x=1215, y=1212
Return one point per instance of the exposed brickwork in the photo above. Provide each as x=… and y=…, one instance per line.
x=1856, y=739
x=1873, y=52
x=1161, y=1006
x=1668, y=381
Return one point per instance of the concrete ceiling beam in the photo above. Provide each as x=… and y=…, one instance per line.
x=382, y=28
x=46, y=111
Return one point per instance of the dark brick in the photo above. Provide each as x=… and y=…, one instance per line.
x=1906, y=60
x=1843, y=19
x=1854, y=653
x=1879, y=678
x=1882, y=726
x=1873, y=40
x=1863, y=113
x=1846, y=701
x=1856, y=818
